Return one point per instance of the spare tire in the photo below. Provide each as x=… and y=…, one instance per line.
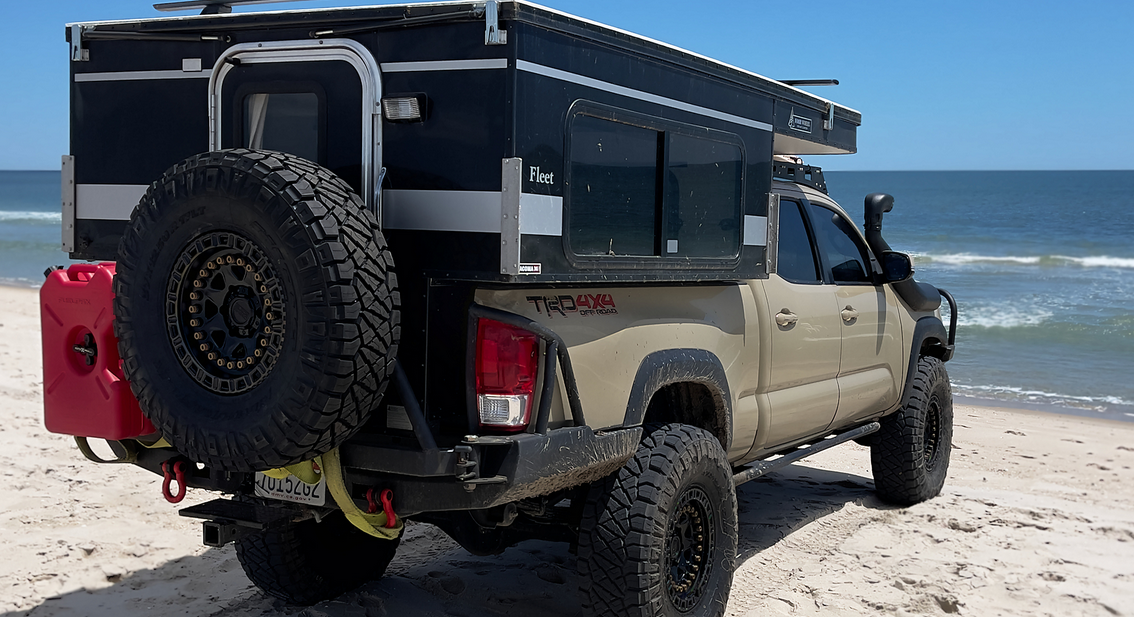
x=256, y=309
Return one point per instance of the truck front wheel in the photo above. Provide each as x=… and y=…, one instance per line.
x=910, y=454
x=659, y=536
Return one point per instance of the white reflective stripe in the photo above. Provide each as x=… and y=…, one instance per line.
x=547, y=71
x=444, y=65
x=142, y=75
x=541, y=215
x=442, y=210
x=112, y=202
x=755, y=230
x=475, y=211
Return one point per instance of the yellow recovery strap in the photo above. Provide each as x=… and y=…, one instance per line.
x=372, y=524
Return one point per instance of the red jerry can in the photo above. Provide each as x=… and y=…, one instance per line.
x=84, y=391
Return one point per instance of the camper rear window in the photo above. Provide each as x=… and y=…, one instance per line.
x=283, y=121
x=645, y=187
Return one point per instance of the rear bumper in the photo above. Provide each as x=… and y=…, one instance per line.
x=489, y=471
x=473, y=475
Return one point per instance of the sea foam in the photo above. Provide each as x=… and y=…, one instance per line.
x=1097, y=403
x=1003, y=316
x=31, y=216
x=964, y=259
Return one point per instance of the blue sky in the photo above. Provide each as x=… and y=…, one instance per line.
x=941, y=85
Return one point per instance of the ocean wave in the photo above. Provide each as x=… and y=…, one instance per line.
x=1002, y=317
x=19, y=281
x=1097, y=403
x=1099, y=262
x=31, y=216
x=964, y=259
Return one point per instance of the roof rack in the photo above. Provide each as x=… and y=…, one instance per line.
x=799, y=173
x=210, y=7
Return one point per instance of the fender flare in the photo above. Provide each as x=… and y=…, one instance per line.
x=929, y=338
x=670, y=366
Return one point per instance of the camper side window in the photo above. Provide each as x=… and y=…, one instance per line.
x=614, y=188
x=703, y=197
x=283, y=121
x=647, y=187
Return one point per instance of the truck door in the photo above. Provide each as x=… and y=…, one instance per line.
x=314, y=99
x=802, y=392
x=870, y=366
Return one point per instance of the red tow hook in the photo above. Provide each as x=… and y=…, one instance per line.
x=387, y=497
x=178, y=475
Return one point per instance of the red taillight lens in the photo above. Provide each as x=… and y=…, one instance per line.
x=507, y=362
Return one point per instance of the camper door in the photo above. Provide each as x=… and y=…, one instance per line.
x=315, y=99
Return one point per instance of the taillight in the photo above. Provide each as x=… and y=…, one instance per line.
x=507, y=361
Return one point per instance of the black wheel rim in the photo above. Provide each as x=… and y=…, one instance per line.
x=932, y=433
x=689, y=549
x=225, y=312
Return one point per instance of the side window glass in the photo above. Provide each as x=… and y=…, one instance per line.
x=285, y=122
x=648, y=187
x=614, y=188
x=841, y=246
x=703, y=201
x=796, y=259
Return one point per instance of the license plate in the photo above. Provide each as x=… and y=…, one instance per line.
x=292, y=489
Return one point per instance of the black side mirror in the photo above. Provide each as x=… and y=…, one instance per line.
x=896, y=267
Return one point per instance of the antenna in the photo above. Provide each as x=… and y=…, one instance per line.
x=210, y=7
x=810, y=82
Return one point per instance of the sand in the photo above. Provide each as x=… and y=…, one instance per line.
x=1037, y=518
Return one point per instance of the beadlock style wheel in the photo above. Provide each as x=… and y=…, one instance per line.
x=909, y=456
x=226, y=312
x=659, y=536
x=256, y=309
x=689, y=548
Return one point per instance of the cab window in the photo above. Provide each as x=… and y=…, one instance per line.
x=796, y=258
x=845, y=254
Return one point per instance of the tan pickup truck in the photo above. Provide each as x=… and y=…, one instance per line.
x=482, y=265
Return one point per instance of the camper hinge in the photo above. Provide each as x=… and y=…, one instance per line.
x=67, y=175
x=493, y=35
x=78, y=54
x=772, y=256
x=511, y=182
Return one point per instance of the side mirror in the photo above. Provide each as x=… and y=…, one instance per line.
x=896, y=267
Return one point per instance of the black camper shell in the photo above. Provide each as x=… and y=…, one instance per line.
x=497, y=84
x=521, y=113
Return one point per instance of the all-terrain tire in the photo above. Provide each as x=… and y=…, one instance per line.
x=910, y=454
x=308, y=562
x=659, y=536
x=256, y=309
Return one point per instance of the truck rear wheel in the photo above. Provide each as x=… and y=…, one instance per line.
x=659, y=536
x=256, y=309
x=308, y=562
x=910, y=454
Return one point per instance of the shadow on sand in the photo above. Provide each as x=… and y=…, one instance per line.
x=433, y=576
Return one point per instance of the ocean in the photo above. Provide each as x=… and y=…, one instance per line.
x=1041, y=264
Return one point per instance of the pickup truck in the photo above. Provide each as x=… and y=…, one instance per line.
x=482, y=265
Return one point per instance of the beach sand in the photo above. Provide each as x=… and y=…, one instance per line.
x=1037, y=518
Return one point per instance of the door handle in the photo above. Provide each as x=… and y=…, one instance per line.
x=849, y=314
x=786, y=318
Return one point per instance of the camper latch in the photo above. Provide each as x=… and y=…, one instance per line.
x=829, y=120
x=78, y=54
x=493, y=35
